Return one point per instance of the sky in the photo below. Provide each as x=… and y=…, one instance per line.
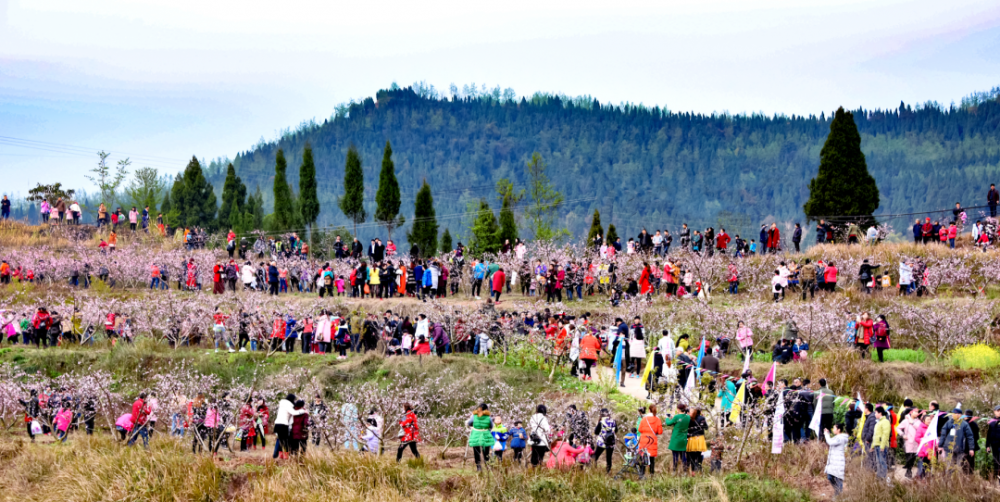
x=158, y=81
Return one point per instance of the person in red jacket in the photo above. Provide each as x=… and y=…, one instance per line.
x=590, y=347
x=773, y=238
x=41, y=322
x=864, y=342
x=645, y=287
x=140, y=415
x=499, y=279
x=722, y=240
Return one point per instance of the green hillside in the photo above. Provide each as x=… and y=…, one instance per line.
x=637, y=165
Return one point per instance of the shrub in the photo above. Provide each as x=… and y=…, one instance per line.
x=978, y=356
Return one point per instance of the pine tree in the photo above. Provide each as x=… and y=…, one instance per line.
x=485, y=231
x=446, y=241
x=387, y=197
x=233, y=194
x=284, y=217
x=165, y=205
x=253, y=215
x=508, y=200
x=195, y=202
x=424, y=232
x=595, y=227
x=173, y=215
x=612, y=234
x=308, y=198
x=352, y=203
x=843, y=186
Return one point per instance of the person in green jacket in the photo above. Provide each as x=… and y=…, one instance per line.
x=679, y=437
x=880, y=445
x=481, y=436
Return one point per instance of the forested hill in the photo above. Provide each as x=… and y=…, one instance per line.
x=637, y=165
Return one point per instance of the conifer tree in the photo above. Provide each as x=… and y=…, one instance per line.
x=485, y=231
x=508, y=200
x=308, y=200
x=843, y=186
x=284, y=217
x=233, y=196
x=424, y=232
x=193, y=201
x=387, y=197
x=612, y=234
x=446, y=245
x=352, y=203
x=595, y=227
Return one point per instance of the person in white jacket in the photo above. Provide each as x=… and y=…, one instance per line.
x=538, y=434
x=835, y=459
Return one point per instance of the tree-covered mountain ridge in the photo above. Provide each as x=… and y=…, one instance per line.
x=639, y=166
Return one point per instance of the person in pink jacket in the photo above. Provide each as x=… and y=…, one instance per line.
x=908, y=429
x=927, y=450
x=744, y=337
x=562, y=454
x=62, y=422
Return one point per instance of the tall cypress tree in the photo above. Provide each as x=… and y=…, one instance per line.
x=308, y=198
x=612, y=234
x=485, y=231
x=508, y=224
x=284, y=216
x=595, y=227
x=446, y=241
x=352, y=203
x=387, y=198
x=173, y=215
x=197, y=203
x=233, y=196
x=843, y=186
x=424, y=232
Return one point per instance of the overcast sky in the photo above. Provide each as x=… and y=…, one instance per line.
x=161, y=80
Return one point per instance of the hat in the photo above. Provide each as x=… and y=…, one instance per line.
x=957, y=411
x=997, y=408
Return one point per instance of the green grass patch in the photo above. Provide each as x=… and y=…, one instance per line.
x=905, y=355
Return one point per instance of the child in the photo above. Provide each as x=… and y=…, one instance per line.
x=718, y=448
x=631, y=441
x=776, y=285
x=518, y=440
x=407, y=343
x=500, y=436
x=753, y=246
x=800, y=350
x=340, y=286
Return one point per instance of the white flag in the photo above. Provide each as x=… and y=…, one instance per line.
x=931, y=434
x=777, y=427
x=817, y=412
x=746, y=363
x=688, y=395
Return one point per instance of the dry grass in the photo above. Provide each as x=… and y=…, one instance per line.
x=99, y=469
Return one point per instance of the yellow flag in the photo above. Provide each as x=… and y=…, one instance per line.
x=649, y=368
x=738, y=403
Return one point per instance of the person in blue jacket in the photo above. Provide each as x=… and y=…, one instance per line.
x=518, y=440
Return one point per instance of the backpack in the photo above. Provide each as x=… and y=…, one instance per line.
x=881, y=332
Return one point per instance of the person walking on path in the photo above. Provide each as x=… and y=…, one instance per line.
x=650, y=428
x=679, y=437
x=835, y=459
x=410, y=431
x=481, y=438
x=538, y=434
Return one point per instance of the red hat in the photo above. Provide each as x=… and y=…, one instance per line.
x=928, y=218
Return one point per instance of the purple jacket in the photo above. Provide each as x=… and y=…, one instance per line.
x=881, y=327
x=440, y=336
